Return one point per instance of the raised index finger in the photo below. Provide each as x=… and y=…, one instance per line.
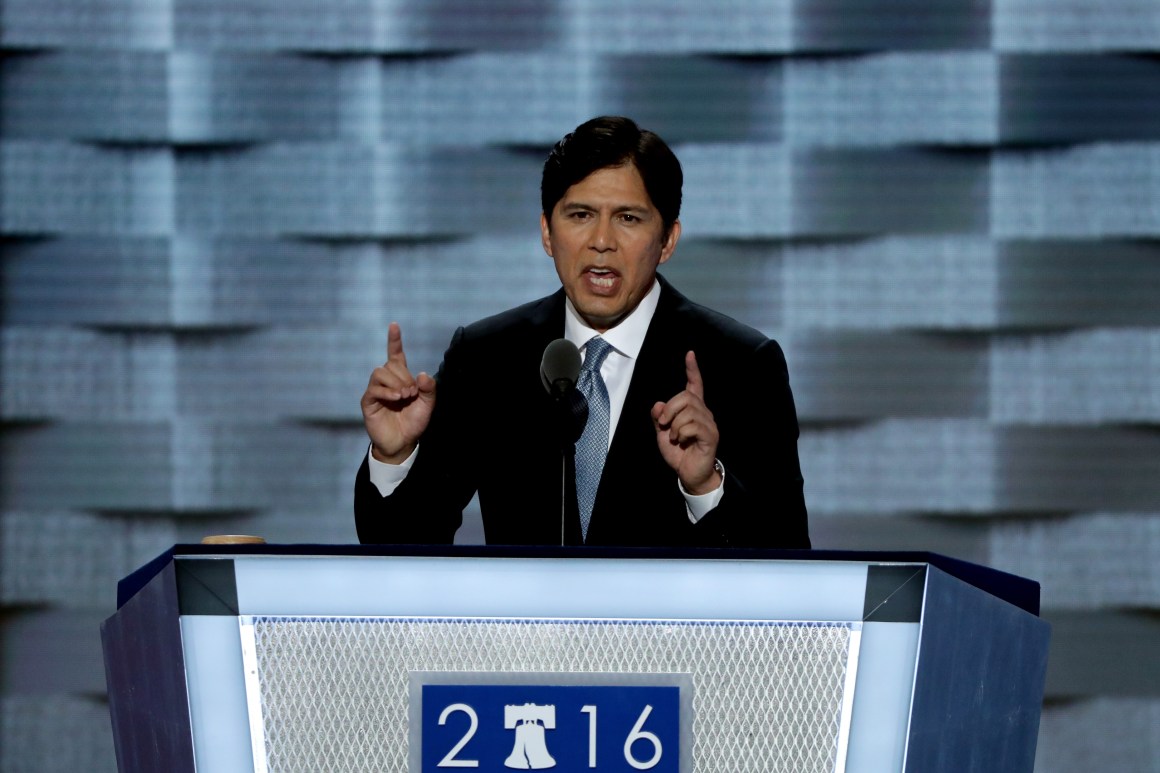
x=693, y=381
x=395, y=344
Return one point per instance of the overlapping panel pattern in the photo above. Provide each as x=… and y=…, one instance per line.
x=947, y=211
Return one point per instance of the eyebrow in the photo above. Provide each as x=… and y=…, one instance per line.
x=575, y=205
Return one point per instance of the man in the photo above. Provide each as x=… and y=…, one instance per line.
x=698, y=425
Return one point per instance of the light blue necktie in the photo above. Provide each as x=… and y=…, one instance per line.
x=592, y=446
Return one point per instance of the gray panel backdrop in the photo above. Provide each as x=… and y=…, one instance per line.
x=948, y=211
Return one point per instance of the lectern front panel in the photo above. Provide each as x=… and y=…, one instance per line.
x=765, y=695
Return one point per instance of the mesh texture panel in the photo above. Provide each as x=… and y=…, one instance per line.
x=334, y=691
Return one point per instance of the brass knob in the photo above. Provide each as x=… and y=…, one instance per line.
x=232, y=539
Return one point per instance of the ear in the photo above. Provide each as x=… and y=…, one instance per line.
x=546, y=235
x=671, y=240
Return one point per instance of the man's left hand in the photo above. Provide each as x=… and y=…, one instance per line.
x=687, y=434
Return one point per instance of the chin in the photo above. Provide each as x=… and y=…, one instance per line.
x=600, y=319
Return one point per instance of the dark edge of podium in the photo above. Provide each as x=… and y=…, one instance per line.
x=148, y=700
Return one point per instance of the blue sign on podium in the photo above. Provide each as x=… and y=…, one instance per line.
x=562, y=728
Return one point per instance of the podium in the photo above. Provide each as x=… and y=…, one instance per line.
x=363, y=658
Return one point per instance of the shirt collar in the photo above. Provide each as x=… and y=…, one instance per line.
x=627, y=337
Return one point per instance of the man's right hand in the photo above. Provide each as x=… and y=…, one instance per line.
x=396, y=406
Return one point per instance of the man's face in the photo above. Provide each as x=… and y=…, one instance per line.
x=607, y=239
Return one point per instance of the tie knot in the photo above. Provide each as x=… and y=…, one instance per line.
x=595, y=351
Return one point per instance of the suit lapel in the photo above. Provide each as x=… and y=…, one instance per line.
x=660, y=369
x=659, y=374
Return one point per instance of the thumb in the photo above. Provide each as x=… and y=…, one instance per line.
x=657, y=410
x=426, y=386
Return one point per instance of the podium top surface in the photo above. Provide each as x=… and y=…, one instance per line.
x=1018, y=591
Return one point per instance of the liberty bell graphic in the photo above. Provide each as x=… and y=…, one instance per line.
x=529, y=721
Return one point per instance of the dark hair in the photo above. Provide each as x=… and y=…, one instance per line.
x=612, y=141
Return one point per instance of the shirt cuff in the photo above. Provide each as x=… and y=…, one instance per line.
x=699, y=505
x=387, y=477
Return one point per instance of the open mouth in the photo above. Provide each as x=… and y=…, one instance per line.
x=602, y=278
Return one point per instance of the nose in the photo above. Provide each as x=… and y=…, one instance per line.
x=603, y=237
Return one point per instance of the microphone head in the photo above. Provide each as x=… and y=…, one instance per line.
x=560, y=367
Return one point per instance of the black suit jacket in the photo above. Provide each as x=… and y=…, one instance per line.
x=494, y=431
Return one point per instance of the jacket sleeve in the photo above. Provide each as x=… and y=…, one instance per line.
x=764, y=503
x=427, y=507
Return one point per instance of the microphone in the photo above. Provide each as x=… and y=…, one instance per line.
x=560, y=367
x=559, y=370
